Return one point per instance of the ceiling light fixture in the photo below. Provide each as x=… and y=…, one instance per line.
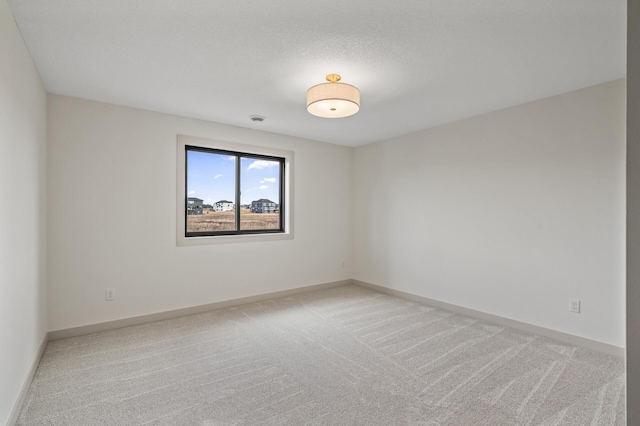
x=333, y=99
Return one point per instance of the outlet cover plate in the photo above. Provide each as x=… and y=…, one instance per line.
x=109, y=295
x=574, y=306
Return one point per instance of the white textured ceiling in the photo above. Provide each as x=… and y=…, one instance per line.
x=418, y=63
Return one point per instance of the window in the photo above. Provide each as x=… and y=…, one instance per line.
x=245, y=188
x=232, y=192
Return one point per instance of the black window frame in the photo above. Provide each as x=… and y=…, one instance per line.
x=238, y=156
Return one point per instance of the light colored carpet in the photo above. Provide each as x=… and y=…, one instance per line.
x=343, y=356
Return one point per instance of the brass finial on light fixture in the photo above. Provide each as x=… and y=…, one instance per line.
x=333, y=99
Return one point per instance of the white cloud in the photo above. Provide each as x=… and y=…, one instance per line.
x=263, y=187
x=217, y=176
x=230, y=158
x=262, y=164
x=192, y=192
x=272, y=180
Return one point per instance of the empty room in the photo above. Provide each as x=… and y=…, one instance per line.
x=295, y=213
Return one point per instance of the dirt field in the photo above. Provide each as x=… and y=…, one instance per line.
x=225, y=221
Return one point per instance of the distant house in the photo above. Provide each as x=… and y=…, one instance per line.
x=224, y=206
x=263, y=206
x=194, y=205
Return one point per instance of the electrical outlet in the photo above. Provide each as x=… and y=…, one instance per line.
x=574, y=305
x=109, y=295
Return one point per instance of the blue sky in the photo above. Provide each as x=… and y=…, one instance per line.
x=211, y=177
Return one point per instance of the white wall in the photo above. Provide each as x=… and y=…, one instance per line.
x=106, y=161
x=23, y=104
x=510, y=213
x=633, y=212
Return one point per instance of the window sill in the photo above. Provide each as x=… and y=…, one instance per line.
x=230, y=239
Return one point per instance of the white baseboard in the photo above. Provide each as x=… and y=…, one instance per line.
x=495, y=319
x=127, y=322
x=17, y=407
x=502, y=321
